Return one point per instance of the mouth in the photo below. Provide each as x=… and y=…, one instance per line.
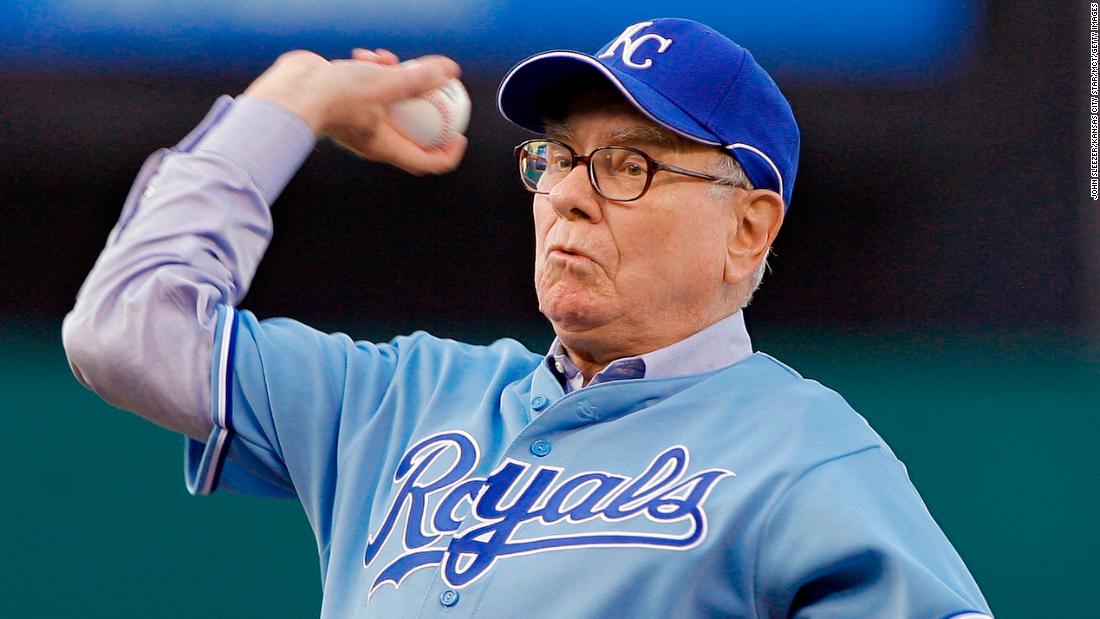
x=566, y=253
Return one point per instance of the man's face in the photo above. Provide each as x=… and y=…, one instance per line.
x=628, y=277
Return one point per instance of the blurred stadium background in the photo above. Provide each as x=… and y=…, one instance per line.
x=938, y=267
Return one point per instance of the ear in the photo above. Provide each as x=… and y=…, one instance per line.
x=754, y=226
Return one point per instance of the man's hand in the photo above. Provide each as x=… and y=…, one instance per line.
x=348, y=101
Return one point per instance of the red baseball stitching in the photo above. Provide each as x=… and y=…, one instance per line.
x=445, y=112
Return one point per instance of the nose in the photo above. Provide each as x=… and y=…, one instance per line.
x=574, y=197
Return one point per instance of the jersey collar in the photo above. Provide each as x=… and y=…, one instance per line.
x=724, y=343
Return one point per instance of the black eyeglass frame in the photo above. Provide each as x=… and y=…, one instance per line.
x=652, y=167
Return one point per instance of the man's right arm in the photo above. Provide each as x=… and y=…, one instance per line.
x=197, y=222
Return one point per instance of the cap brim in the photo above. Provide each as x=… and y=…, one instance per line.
x=532, y=92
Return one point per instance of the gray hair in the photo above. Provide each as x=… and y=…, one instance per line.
x=753, y=283
x=729, y=170
x=726, y=168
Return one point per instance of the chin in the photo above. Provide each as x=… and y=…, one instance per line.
x=573, y=311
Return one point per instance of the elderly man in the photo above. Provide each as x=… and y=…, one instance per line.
x=649, y=465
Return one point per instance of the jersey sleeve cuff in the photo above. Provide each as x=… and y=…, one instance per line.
x=203, y=462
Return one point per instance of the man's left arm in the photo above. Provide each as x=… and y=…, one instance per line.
x=852, y=538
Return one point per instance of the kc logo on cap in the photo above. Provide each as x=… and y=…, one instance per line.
x=631, y=45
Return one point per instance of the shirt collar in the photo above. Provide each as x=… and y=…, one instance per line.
x=724, y=343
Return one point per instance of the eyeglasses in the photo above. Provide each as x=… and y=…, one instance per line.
x=618, y=173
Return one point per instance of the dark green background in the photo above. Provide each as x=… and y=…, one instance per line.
x=997, y=430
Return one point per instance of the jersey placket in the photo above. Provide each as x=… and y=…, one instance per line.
x=543, y=450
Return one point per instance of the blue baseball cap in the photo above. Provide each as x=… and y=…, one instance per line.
x=685, y=77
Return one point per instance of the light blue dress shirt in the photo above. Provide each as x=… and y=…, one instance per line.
x=721, y=344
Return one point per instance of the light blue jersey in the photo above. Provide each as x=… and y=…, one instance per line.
x=448, y=479
x=445, y=479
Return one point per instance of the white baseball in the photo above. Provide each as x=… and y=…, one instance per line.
x=433, y=118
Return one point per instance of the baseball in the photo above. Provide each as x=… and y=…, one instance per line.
x=433, y=118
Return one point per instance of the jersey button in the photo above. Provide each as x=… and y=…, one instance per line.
x=448, y=597
x=540, y=447
x=539, y=402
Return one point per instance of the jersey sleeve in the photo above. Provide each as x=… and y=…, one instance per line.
x=851, y=537
x=279, y=393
